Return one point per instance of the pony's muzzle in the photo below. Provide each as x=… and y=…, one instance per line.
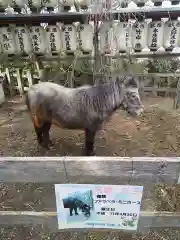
x=136, y=113
x=139, y=112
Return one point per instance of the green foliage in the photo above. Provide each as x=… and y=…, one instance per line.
x=84, y=66
x=163, y=66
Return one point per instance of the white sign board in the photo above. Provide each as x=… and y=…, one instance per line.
x=98, y=206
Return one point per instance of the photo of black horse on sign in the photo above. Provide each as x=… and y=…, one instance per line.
x=79, y=205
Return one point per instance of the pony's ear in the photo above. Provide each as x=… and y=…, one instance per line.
x=119, y=79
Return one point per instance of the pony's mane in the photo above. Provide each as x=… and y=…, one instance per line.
x=128, y=79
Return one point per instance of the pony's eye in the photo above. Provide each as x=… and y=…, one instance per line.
x=134, y=97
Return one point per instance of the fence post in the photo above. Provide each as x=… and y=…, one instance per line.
x=96, y=51
x=9, y=81
x=70, y=79
x=29, y=77
x=155, y=86
x=169, y=78
x=177, y=97
x=141, y=86
x=41, y=70
x=19, y=82
x=70, y=73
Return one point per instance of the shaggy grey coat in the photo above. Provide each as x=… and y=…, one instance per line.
x=85, y=107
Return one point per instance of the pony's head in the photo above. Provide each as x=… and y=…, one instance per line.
x=131, y=101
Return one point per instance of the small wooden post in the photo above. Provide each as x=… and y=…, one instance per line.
x=96, y=51
x=70, y=77
x=177, y=98
x=19, y=82
x=9, y=81
x=41, y=70
x=141, y=86
x=168, y=86
x=29, y=77
x=70, y=73
x=155, y=86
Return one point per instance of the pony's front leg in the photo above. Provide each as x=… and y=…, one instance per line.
x=89, y=142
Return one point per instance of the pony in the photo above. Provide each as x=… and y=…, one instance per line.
x=73, y=203
x=85, y=108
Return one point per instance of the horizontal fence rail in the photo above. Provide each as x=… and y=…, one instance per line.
x=49, y=58
x=104, y=170
x=97, y=170
x=147, y=220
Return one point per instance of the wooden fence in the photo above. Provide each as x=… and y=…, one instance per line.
x=163, y=84
x=150, y=82
x=97, y=170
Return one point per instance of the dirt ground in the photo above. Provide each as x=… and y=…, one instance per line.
x=156, y=133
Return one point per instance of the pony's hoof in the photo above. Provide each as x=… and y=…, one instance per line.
x=45, y=146
x=50, y=143
x=90, y=153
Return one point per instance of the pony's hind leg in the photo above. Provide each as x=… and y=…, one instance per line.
x=45, y=134
x=89, y=142
x=38, y=129
x=42, y=131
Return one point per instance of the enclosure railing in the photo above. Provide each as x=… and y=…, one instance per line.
x=92, y=170
x=155, y=83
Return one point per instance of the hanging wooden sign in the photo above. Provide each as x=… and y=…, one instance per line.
x=171, y=34
x=8, y=40
x=121, y=32
x=23, y=42
x=139, y=36
x=38, y=39
x=155, y=35
x=54, y=38
x=104, y=42
x=86, y=34
x=69, y=38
